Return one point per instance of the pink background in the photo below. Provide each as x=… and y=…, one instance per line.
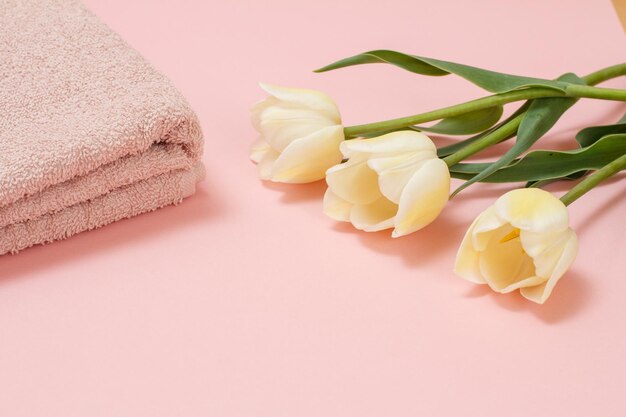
x=247, y=301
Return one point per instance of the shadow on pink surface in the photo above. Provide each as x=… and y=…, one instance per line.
x=415, y=249
x=297, y=193
x=419, y=248
x=570, y=297
x=203, y=205
x=440, y=239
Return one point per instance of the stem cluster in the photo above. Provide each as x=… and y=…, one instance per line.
x=509, y=128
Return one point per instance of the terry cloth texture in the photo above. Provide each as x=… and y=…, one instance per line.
x=90, y=132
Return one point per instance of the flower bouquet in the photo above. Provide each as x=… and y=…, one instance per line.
x=391, y=175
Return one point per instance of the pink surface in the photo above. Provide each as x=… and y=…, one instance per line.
x=247, y=301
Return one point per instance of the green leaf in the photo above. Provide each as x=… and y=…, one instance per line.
x=542, y=114
x=467, y=123
x=591, y=134
x=544, y=165
x=464, y=124
x=586, y=137
x=541, y=183
x=450, y=149
x=495, y=82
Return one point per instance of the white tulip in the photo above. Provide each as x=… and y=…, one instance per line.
x=300, y=132
x=522, y=242
x=392, y=181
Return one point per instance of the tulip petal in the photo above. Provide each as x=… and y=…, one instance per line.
x=528, y=282
x=311, y=99
x=545, y=248
x=503, y=264
x=354, y=181
x=336, y=208
x=266, y=163
x=486, y=223
x=258, y=149
x=467, y=259
x=391, y=143
x=375, y=216
x=423, y=198
x=257, y=110
x=280, y=125
x=568, y=246
x=394, y=172
x=307, y=159
x=532, y=209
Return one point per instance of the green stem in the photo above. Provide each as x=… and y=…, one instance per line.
x=580, y=91
x=458, y=109
x=594, y=179
x=510, y=128
x=491, y=138
x=572, y=90
x=605, y=74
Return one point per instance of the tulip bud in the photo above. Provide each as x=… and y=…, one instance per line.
x=391, y=181
x=522, y=242
x=300, y=132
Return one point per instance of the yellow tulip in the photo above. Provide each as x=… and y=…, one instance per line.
x=392, y=181
x=522, y=242
x=300, y=132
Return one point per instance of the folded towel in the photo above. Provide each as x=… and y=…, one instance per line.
x=90, y=132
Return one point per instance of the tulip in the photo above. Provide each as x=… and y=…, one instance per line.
x=300, y=132
x=391, y=181
x=522, y=242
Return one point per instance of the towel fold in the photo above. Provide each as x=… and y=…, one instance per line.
x=90, y=132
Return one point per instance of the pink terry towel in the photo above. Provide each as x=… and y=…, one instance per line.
x=90, y=132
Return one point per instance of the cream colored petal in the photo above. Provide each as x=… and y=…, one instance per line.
x=282, y=111
x=375, y=216
x=568, y=246
x=266, y=163
x=532, y=209
x=391, y=143
x=257, y=110
x=545, y=248
x=307, y=159
x=423, y=198
x=311, y=99
x=394, y=172
x=487, y=222
x=539, y=243
x=466, y=264
x=354, y=181
x=336, y=208
x=258, y=150
x=280, y=126
x=528, y=281
x=504, y=264
x=570, y=250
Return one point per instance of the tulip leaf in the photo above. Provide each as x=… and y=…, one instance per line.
x=467, y=123
x=464, y=124
x=495, y=82
x=450, y=149
x=541, y=183
x=542, y=114
x=545, y=165
x=587, y=137
x=591, y=134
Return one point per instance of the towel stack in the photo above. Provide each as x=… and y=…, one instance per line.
x=90, y=132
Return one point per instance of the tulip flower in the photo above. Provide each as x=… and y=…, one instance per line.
x=522, y=242
x=300, y=132
x=391, y=181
